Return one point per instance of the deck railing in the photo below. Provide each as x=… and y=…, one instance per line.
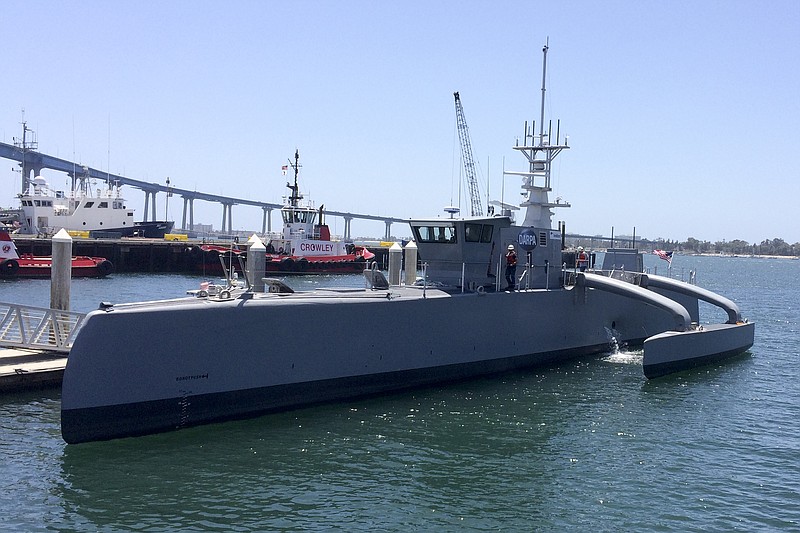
x=24, y=326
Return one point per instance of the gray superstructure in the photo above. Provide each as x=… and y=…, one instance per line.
x=156, y=366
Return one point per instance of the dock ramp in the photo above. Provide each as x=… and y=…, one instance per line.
x=34, y=344
x=39, y=328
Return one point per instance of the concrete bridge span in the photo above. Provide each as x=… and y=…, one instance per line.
x=33, y=162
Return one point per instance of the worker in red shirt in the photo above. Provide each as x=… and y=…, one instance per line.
x=511, y=267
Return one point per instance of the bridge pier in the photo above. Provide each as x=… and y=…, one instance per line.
x=149, y=200
x=153, y=199
x=266, y=222
x=191, y=215
x=388, y=234
x=227, y=217
x=183, y=215
x=146, y=204
x=347, y=221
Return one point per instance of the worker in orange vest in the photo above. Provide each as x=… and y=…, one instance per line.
x=582, y=260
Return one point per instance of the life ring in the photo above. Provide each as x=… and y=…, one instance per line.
x=105, y=267
x=287, y=264
x=224, y=295
x=9, y=267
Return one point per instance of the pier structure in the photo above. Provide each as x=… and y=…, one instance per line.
x=32, y=162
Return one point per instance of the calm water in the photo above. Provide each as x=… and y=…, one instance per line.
x=588, y=445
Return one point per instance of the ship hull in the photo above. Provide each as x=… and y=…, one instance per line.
x=207, y=260
x=42, y=267
x=148, y=230
x=119, y=383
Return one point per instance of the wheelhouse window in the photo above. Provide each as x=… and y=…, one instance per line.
x=478, y=232
x=472, y=232
x=88, y=205
x=441, y=234
x=486, y=234
x=304, y=217
x=103, y=205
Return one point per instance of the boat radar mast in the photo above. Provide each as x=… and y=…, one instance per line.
x=540, y=155
x=296, y=196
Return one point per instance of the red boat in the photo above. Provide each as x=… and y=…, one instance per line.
x=303, y=247
x=352, y=262
x=12, y=265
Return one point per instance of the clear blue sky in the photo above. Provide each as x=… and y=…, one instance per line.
x=682, y=117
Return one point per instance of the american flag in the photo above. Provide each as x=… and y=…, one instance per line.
x=284, y=168
x=666, y=256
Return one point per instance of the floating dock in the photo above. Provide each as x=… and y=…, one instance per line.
x=25, y=369
x=34, y=345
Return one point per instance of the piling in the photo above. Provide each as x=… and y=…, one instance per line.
x=411, y=263
x=61, y=271
x=256, y=263
x=395, y=263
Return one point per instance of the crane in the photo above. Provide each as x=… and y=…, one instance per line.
x=466, y=155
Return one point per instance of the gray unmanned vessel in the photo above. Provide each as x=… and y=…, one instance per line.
x=154, y=366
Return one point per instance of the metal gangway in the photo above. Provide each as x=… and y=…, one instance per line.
x=38, y=328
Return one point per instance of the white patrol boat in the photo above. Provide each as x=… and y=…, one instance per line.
x=103, y=212
x=457, y=324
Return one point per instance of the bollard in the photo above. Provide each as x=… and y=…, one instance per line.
x=395, y=263
x=61, y=271
x=256, y=263
x=411, y=263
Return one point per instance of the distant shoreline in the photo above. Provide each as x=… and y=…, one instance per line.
x=758, y=256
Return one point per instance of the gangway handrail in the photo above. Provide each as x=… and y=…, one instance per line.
x=25, y=326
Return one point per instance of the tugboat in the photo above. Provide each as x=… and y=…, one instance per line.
x=303, y=247
x=12, y=265
x=456, y=324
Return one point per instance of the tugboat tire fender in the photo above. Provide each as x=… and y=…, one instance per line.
x=105, y=267
x=9, y=267
x=287, y=264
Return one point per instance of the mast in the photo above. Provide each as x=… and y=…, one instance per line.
x=544, y=83
x=25, y=146
x=540, y=156
x=296, y=196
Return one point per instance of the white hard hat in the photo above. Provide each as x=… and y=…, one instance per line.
x=580, y=248
x=510, y=246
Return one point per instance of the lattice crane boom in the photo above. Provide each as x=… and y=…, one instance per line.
x=466, y=155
